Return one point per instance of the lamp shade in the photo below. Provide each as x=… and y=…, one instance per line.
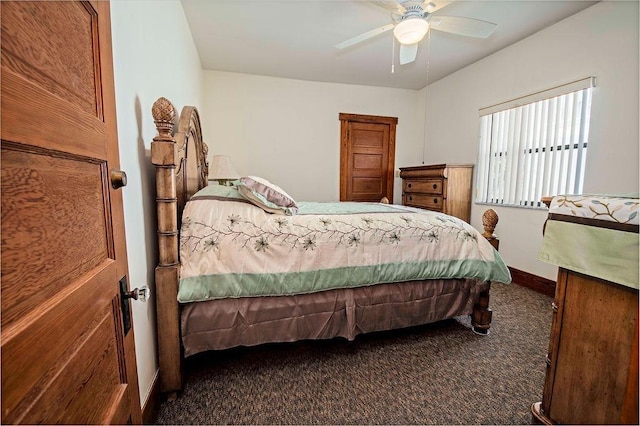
x=411, y=30
x=222, y=169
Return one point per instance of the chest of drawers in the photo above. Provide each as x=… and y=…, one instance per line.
x=444, y=188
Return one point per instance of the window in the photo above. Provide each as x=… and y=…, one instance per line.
x=534, y=146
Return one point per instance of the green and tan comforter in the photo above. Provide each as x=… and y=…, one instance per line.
x=231, y=248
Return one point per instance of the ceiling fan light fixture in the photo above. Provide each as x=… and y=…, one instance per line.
x=411, y=30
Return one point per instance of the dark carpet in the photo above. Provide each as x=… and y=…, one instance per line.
x=440, y=373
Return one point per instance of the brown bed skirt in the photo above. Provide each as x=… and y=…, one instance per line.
x=226, y=323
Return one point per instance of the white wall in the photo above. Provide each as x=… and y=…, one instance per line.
x=288, y=131
x=154, y=55
x=602, y=41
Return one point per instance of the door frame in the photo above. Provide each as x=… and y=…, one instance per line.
x=345, y=173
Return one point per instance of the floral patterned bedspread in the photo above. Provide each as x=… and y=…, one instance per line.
x=620, y=209
x=595, y=235
x=230, y=248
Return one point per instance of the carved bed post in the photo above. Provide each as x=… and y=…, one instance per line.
x=482, y=314
x=481, y=317
x=164, y=155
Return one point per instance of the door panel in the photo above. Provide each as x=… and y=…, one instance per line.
x=368, y=161
x=369, y=135
x=41, y=257
x=366, y=188
x=64, y=66
x=65, y=357
x=36, y=348
x=83, y=383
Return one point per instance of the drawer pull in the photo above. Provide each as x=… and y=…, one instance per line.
x=554, y=306
x=547, y=359
x=435, y=201
x=410, y=198
x=435, y=185
x=409, y=185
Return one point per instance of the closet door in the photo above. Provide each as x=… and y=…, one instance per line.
x=67, y=357
x=367, y=157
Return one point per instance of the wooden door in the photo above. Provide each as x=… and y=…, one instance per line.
x=367, y=157
x=66, y=357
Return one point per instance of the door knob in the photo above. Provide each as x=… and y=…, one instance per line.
x=118, y=179
x=141, y=294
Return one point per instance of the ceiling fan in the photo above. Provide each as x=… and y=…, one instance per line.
x=413, y=19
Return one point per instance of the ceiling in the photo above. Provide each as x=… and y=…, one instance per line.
x=296, y=38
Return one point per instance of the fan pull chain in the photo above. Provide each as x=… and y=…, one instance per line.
x=426, y=98
x=393, y=53
x=428, y=54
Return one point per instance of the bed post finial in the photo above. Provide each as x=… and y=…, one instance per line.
x=489, y=222
x=164, y=114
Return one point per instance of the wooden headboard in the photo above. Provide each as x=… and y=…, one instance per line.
x=181, y=170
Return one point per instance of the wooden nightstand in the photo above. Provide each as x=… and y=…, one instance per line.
x=443, y=188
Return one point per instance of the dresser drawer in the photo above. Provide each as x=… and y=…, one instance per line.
x=431, y=202
x=427, y=186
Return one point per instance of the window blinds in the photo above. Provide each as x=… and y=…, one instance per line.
x=563, y=89
x=534, y=146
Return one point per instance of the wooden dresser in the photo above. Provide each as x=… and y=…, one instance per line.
x=443, y=188
x=592, y=363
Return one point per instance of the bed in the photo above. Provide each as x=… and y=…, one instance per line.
x=245, y=265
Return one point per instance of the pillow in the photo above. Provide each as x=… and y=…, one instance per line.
x=269, y=197
x=219, y=191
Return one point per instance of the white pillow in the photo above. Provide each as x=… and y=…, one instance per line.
x=266, y=195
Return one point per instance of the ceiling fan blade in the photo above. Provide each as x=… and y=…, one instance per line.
x=365, y=36
x=462, y=26
x=391, y=5
x=408, y=53
x=432, y=6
